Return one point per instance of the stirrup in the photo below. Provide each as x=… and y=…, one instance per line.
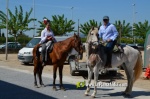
x=43, y=64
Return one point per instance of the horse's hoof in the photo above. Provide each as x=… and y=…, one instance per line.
x=62, y=88
x=54, y=89
x=42, y=85
x=86, y=94
x=36, y=86
x=92, y=96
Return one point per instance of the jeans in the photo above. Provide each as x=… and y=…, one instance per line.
x=110, y=46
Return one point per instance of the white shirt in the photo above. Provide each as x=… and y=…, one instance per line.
x=108, y=32
x=45, y=34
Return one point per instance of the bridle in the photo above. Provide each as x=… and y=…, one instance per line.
x=93, y=45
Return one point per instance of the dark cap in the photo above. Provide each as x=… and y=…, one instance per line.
x=106, y=17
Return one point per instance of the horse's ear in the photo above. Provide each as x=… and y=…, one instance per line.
x=75, y=34
x=98, y=27
x=92, y=27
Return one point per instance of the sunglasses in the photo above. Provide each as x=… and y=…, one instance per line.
x=105, y=19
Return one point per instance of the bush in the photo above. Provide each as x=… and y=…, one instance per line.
x=2, y=40
x=127, y=40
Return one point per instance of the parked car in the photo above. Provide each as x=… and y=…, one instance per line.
x=25, y=54
x=11, y=45
x=140, y=46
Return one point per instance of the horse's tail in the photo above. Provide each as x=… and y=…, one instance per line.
x=36, y=51
x=138, y=68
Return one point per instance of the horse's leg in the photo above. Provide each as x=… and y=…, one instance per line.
x=90, y=73
x=54, y=76
x=40, y=76
x=129, y=74
x=96, y=74
x=35, y=80
x=60, y=78
x=35, y=73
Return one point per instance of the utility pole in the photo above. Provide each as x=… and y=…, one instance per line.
x=78, y=27
x=72, y=13
x=34, y=17
x=133, y=21
x=6, y=29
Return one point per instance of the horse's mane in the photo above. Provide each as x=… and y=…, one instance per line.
x=63, y=42
x=95, y=29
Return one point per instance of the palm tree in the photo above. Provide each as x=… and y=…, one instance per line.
x=88, y=25
x=123, y=29
x=59, y=24
x=17, y=22
x=140, y=29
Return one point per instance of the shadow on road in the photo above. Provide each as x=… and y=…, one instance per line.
x=11, y=91
x=84, y=74
x=133, y=95
x=68, y=87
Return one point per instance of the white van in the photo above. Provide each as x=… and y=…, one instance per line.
x=25, y=54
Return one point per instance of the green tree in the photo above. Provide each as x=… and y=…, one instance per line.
x=140, y=29
x=123, y=29
x=88, y=25
x=59, y=24
x=17, y=22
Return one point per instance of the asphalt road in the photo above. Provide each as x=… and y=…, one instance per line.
x=18, y=84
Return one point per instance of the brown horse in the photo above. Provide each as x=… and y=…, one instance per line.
x=57, y=58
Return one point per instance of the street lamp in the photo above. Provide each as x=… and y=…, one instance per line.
x=133, y=22
x=34, y=17
x=72, y=12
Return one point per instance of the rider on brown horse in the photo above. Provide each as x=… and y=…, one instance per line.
x=108, y=33
x=46, y=35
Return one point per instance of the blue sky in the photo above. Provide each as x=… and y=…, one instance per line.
x=84, y=10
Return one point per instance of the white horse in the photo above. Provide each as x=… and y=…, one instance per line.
x=96, y=59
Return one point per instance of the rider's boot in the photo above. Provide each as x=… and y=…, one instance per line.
x=108, y=62
x=43, y=60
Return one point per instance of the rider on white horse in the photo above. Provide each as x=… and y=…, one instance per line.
x=108, y=33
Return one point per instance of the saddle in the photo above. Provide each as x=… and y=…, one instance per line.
x=49, y=48
x=117, y=48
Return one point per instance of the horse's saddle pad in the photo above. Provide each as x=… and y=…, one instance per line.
x=117, y=48
x=49, y=47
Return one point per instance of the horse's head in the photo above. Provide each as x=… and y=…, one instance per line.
x=92, y=38
x=77, y=44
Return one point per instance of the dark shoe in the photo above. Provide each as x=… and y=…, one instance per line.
x=43, y=64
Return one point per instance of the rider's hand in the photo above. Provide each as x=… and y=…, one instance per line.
x=49, y=38
x=109, y=40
